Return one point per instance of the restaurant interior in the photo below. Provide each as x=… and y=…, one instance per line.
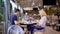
x=33, y=8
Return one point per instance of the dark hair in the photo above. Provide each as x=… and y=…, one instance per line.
x=17, y=10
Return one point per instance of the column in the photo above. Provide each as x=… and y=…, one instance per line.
x=7, y=15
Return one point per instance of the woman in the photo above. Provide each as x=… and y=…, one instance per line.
x=43, y=19
x=41, y=22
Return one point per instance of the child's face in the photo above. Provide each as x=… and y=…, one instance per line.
x=38, y=18
x=30, y=15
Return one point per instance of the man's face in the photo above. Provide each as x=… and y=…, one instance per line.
x=18, y=13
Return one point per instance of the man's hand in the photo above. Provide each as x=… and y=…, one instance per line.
x=17, y=22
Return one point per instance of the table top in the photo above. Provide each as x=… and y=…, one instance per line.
x=27, y=23
x=24, y=22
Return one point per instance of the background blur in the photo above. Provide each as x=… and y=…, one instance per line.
x=7, y=8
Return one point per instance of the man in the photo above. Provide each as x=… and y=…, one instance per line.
x=14, y=18
x=15, y=24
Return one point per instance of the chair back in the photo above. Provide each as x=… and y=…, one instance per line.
x=15, y=29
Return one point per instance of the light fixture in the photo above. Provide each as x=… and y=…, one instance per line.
x=33, y=4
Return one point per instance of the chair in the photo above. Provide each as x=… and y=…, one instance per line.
x=39, y=30
x=15, y=29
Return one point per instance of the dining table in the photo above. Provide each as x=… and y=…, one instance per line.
x=27, y=24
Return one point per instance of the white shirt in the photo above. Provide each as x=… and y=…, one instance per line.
x=43, y=21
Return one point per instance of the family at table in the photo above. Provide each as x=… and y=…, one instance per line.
x=32, y=24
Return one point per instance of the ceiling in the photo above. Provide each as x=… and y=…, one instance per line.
x=29, y=3
x=59, y=2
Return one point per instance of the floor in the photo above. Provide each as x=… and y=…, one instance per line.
x=49, y=30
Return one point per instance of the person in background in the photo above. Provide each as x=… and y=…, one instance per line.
x=27, y=19
x=15, y=24
x=26, y=16
x=30, y=19
x=34, y=16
